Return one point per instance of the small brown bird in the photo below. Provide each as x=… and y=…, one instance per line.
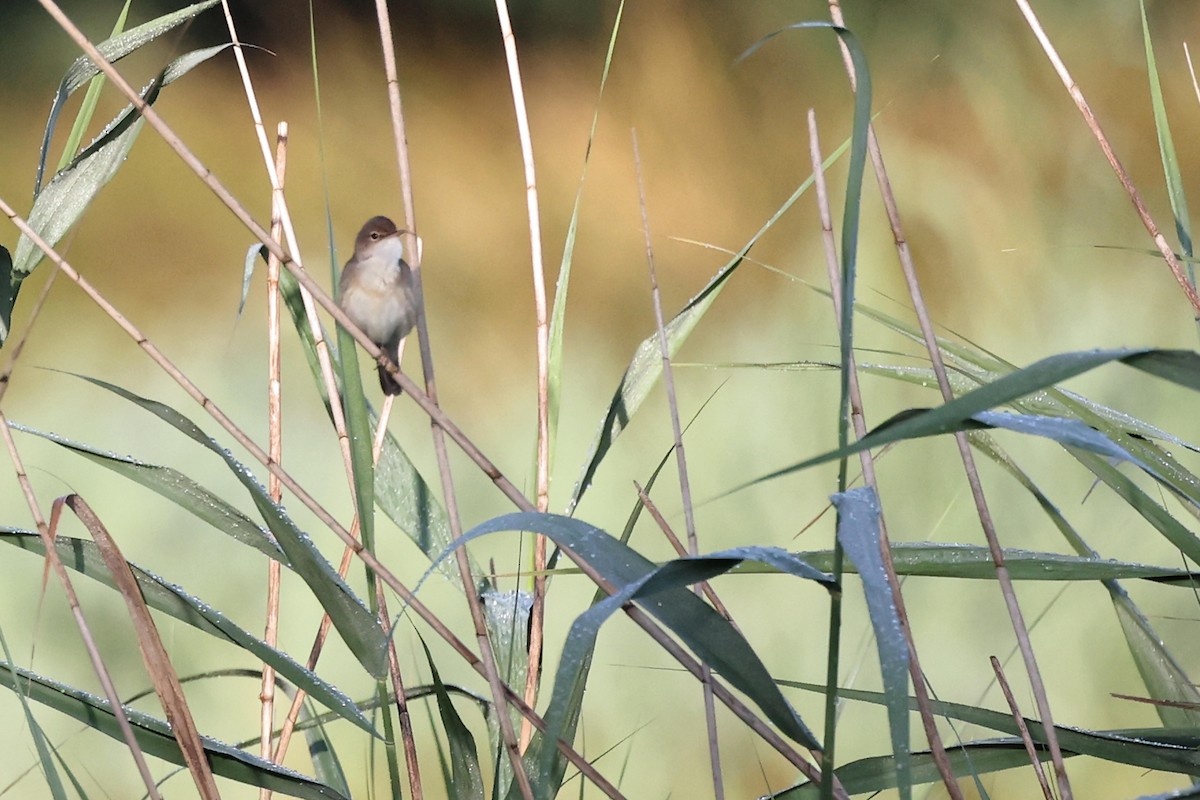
x=376, y=291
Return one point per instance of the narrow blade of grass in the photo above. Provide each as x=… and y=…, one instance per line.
x=81, y=555
x=466, y=776
x=179, y=489
x=662, y=592
x=858, y=531
x=401, y=492
x=350, y=616
x=41, y=744
x=154, y=737
x=113, y=49
x=1166, y=149
x=87, y=109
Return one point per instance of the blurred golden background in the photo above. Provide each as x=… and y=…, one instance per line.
x=1003, y=192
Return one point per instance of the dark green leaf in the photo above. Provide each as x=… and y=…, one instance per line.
x=178, y=488
x=858, y=532
x=957, y=415
x=155, y=738
x=62, y=202
x=113, y=50
x=353, y=621
x=82, y=556
x=466, y=781
x=660, y=591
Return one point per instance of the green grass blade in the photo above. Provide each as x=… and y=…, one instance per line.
x=661, y=592
x=878, y=773
x=179, y=489
x=358, y=428
x=974, y=562
x=40, y=742
x=859, y=534
x=1170, y=750
x=353, y=621
x=113, y=49
x=1166, y=149
x=88, y=108
x=957, y=414
x=82, y=556
x=154, y=737
x=62, y=202
x=558, y=314
x=401, y=492
x=466, y=776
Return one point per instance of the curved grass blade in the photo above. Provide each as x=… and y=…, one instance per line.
x=858, y=532
x=662, y=592
x=81, y=555
x=877, y=773
x=1166, y=749
x=558, y=314
x=853, y=201
x=974, y=562
x=353, y=621
x=1166, y=149
x=62, y=202
x=178, y=488
x=154, y=737
x=40, y=741
x=466, y=776
x=113, y=49
x=1180, y=367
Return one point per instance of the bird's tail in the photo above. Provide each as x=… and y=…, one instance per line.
x=388, y=383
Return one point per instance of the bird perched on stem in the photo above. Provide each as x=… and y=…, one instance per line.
x=377, y=292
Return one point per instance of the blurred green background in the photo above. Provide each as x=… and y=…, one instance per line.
x=1003, y=193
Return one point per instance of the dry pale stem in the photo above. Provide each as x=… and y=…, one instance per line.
x=538, y=611
x=274, y=445
x=1015, y=710
x=154, y=655
x=1110, y=154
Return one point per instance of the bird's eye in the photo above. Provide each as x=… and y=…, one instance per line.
x=374, y=234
